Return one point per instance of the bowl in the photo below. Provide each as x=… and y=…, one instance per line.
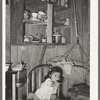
x=34, y=15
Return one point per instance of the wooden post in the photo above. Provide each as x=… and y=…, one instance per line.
x=49, y=22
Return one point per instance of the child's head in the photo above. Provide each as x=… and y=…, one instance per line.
x=55, y=74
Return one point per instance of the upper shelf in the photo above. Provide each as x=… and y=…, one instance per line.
x=37, y=4
x=35, y=22
x=45, y=23
x=34, y=43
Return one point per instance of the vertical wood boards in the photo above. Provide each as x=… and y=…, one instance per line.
x=34, y=30
x=16, y=20
x=28, y=54
x=79, y=18
x=82, y=13
x=65, y=31
x=86, y=29
x=8, y=46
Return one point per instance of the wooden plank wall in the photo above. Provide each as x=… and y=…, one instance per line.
x=30, y=54
x=16, y=18
x=86, y=28
x=82, y=16
x=7, y=38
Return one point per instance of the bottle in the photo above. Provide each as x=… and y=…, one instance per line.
x=66, y=22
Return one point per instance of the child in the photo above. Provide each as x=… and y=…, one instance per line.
x=48, y=88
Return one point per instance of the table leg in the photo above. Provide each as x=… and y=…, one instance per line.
x=13, y=87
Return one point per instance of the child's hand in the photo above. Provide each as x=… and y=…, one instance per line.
x=57, y=84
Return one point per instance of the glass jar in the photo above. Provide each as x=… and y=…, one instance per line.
x=57, y=38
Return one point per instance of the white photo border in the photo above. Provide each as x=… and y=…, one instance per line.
x=93, y=49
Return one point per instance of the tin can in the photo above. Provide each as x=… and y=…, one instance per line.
x=57, y=38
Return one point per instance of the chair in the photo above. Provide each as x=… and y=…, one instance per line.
x=36, y=77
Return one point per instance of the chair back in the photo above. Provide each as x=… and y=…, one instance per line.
x=36, y=76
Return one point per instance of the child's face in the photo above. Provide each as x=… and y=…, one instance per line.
x=55, y=76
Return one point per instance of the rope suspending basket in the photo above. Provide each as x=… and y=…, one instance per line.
x=76, y=52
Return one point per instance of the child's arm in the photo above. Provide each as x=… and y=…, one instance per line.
x=55, y=84
x=48, y=82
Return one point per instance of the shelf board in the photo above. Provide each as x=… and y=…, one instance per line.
x=37, y=4
x=61, y=25
x=31, y=43
x=35, y=22
x=45, y=23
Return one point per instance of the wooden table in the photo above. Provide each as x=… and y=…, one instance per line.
x=11, y=85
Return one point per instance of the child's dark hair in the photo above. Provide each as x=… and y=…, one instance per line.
x=54, y=69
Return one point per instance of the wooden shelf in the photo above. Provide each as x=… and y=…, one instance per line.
x=45, y=23
x=31, y=43
x=43, y=5
x=35, y=22
x=61, y=25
